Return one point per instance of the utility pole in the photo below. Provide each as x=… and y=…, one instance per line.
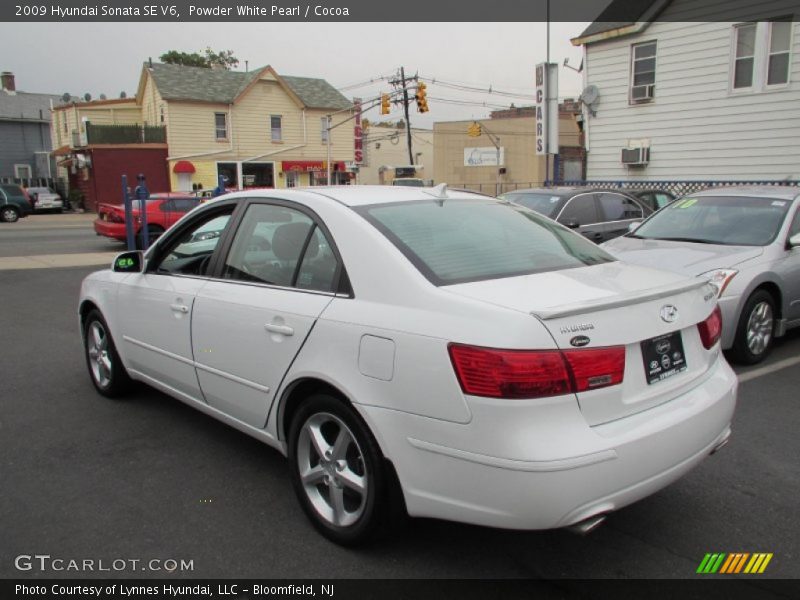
x=405, y=109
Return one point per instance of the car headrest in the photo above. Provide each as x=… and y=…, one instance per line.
x=287, y=243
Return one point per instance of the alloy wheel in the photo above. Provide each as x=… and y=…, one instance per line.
x=99, y=355
x=759, y=328
x=332, y=469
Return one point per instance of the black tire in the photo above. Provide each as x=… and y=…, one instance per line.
x=751, y=347
x=363, y=458
x=153, y=233
x=111, y=379
x=9, y=214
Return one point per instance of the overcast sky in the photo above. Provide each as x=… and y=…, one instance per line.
x=107, y=57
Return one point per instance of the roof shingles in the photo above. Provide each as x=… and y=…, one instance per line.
x=178, y=82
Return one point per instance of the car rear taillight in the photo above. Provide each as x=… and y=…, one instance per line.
x=115, y=217
x=594, y=368
x=496, y=373
x=711, y=329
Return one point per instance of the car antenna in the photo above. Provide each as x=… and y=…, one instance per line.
x=440, y=192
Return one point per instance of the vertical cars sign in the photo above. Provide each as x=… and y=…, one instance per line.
x=358, y=154
x=546, y=108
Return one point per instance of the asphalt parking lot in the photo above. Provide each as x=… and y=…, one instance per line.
x=148, y=477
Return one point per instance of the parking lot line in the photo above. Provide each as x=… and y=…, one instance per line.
x=761, y=371
x=53, y=261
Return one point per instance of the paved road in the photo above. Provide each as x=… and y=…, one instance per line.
x=48, y=234
x=148, y=477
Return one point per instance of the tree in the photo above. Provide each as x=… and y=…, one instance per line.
x=224, y=59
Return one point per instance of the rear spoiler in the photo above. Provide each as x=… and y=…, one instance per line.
x=625, y=300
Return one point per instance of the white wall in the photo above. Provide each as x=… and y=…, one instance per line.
x=697, y=126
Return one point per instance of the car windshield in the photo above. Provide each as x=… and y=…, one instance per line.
x=544, y=204
x=458, y=241
x=726, y=220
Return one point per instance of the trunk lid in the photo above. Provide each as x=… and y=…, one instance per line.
x=616, y=304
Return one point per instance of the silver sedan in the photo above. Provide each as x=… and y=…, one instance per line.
x=746, y=241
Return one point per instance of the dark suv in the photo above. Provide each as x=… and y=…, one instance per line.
x=14, y=202
x=599, y=215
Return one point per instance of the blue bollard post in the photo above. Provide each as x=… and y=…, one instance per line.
x=142, y=194
x=126, y=201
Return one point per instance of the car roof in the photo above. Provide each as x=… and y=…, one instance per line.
x=361, y=195
x=780, y=192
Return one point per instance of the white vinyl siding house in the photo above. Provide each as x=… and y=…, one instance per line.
x=725, y=100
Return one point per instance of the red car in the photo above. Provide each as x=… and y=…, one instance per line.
x=163, y=210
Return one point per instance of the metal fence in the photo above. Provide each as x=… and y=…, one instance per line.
x=125, y=134
x=678, y=188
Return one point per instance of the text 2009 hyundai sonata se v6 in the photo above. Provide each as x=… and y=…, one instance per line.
x=483, y=362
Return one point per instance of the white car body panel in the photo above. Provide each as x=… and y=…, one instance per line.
x=527, y=464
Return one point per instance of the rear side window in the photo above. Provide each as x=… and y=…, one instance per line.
x=458, y=241
x=545, y=204
x=12, y=191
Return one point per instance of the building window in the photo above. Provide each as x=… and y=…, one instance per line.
x=22, y=172
x=761, y=54
x=221, y=126
x=780, y=39
x=643, y=72
x=323, y=127
x=275, y=128
x=744, y=60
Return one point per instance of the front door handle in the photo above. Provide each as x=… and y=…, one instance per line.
x=179, y=308
x=279, y=329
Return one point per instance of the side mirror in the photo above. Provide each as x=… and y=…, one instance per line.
x=129, y=262
x=794, y=241
x=633, y=226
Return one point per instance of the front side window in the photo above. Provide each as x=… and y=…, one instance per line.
x=276, y=245
x=221, y=126
x=190, y=253
x=619, y=208
x=458, y=241
x=275, y=128
x=580, y=210
x=643, y=72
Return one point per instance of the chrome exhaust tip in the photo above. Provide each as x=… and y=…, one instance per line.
x=587, y=526
x=722, y=443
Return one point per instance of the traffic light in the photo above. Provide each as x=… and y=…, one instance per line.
x=474, y=130
x=421, y=97
x=385, y=108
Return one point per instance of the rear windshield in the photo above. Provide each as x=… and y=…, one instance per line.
x=726, y=220
x=458, y=241
x=12, y=189
x=544, y=204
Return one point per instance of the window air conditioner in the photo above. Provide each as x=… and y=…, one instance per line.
x=635, y=156
x=643, y=93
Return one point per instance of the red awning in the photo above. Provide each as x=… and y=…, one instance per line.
x=306, y=166
x=183, y=166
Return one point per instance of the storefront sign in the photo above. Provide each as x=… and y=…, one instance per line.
x=484, y=157
x=358, y=137
x=546, y=109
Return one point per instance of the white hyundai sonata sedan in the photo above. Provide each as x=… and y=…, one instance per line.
x=466, y=355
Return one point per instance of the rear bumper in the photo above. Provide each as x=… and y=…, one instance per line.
x=109, y=229
x=529, y=465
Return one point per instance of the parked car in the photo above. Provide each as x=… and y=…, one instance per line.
x=745, y=240
x=43, y=198
x=163, y=210
x=598, y=215
x=14, y=203
x=654, y=199
x=409, y=182
x=474, y=359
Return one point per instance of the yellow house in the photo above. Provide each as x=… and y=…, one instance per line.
x=256, y=128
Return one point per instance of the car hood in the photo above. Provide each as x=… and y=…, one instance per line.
x=686, y=258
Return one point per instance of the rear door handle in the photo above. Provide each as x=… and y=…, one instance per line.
x=280, y=329
x=179, y=308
